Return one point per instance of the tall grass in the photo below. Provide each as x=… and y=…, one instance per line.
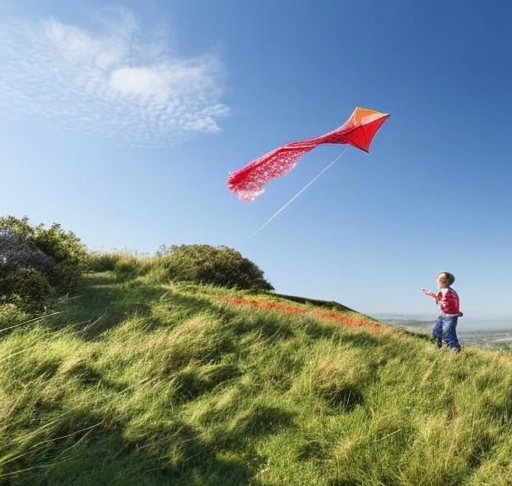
x=136, y=382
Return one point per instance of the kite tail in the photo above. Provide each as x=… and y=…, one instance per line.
x=282, y=208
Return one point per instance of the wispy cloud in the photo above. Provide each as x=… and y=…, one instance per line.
x=111, y=83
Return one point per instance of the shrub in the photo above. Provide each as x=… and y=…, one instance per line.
x=11, y=315
x=26, y=286
x=68, y=252
x=35, y=260
x=220, y=266
x=16, y=251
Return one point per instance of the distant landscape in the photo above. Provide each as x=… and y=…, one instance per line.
x=493, y=333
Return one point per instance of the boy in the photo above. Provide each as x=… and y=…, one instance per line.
x=448, y=302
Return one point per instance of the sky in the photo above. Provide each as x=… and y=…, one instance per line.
x=122, y=122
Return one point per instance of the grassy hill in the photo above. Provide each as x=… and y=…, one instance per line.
x=131, y=382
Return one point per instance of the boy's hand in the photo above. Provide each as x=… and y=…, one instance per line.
x=428, y=292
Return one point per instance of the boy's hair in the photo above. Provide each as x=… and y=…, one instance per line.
x=450, y=278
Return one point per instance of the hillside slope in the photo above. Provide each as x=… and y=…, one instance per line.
x=137, y=383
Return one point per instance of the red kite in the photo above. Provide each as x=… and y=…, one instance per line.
x=358, y=131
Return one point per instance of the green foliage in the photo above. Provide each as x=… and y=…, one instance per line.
x=17, y=248
x=26, y=285
x=11, y=316
x=198, y=264
x=66, y=249
x=34, y=261
x=220, y=266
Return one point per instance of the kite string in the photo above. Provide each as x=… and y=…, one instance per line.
x=280, y=210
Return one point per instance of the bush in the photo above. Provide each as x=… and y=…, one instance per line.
x=67, y=250
x=36, y=260
x=222, y=266
x=25, y=285
x=10, y=316
x=22, y=254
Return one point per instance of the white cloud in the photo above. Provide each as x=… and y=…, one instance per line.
x=109, y=83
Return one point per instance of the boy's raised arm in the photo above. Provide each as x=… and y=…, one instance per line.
x=429, y=292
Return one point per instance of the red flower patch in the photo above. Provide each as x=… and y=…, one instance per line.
x=339, y=318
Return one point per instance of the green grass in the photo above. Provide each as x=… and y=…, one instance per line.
x=134, y=382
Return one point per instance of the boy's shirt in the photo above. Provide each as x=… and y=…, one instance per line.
x=448, y=301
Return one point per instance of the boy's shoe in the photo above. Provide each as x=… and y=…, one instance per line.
x=455, y=349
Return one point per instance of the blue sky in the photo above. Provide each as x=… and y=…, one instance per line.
x=122, y=122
